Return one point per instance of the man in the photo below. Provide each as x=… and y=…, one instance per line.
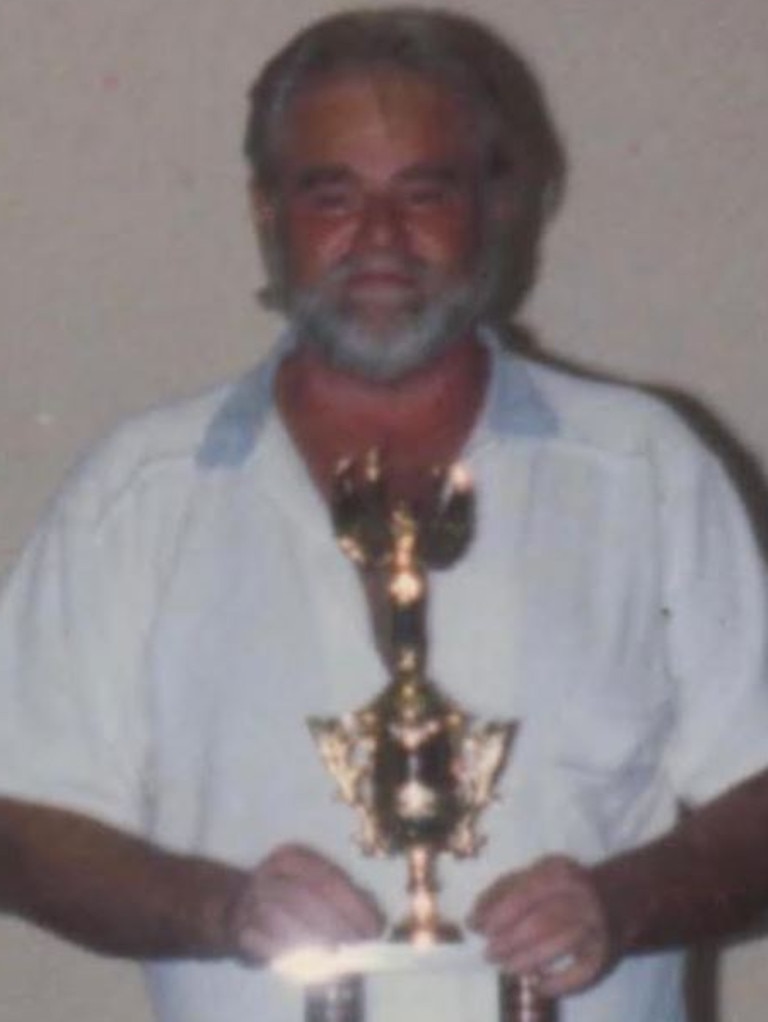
x=162, y=798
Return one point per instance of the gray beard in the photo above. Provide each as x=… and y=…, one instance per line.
x=386, y=354
x=413, y=339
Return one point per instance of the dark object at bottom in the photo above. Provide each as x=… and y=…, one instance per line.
x=520, y=1001
x=340, y=1001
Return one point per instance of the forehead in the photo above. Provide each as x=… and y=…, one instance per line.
x=377, y=121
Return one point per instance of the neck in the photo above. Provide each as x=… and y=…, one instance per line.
x=417, y=422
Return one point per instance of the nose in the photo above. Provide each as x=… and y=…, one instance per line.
x=381, y=226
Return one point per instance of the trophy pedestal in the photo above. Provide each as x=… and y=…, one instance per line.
x=385, y=982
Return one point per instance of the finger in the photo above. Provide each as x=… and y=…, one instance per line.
x=293, y=914
x=508, y=905
x=296, y=860
x=579, y=970
x=355, y=909
x=363, y=918
x=485, y=906
x=573, y=914
x=491, y=893
x=281, y=917
x=566, y=963
x=515, y=895
x=536, y=950
x=255, y=947
x=313, y=873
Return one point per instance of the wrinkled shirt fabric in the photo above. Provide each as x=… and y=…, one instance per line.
x=183, y=609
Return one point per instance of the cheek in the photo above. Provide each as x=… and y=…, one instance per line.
x=315, y=246
x=452, y=242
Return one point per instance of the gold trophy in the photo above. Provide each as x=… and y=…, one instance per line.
x=416, y=767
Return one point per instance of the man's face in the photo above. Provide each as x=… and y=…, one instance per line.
x=378, y=220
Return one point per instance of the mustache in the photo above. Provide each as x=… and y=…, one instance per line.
x=411, y=267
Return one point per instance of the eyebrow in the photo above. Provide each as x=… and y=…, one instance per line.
x=334, y=174
x=439, y=173
x=330, y=174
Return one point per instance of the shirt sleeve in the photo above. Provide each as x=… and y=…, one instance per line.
x=73, y=623
x=717, y=618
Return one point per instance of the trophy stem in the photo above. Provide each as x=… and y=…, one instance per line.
x=423, y=925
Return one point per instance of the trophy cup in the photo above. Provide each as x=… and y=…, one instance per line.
x=416, y=767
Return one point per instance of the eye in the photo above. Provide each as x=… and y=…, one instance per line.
x=334, y=199
x=427, y=195
x=430, y=192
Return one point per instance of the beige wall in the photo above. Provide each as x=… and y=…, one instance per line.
x=127, y=268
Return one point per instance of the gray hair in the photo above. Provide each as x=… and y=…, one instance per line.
x=523, y=155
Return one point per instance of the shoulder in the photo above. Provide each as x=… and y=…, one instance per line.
x=609, y=417
x=168, y=449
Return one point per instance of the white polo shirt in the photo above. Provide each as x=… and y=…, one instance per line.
x=184, y=608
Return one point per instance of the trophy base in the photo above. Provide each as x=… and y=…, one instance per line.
x=382, y=981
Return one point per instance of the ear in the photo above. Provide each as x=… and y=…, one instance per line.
x=262, y=210
x=504, y=200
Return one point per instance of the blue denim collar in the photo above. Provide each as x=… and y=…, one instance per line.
x=514, y=406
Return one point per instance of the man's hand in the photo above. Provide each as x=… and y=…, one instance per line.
x=298, y=897
x=547, y=921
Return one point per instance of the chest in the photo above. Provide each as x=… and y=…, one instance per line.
x=556, y=604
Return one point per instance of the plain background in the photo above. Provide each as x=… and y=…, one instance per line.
x=128, y=272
